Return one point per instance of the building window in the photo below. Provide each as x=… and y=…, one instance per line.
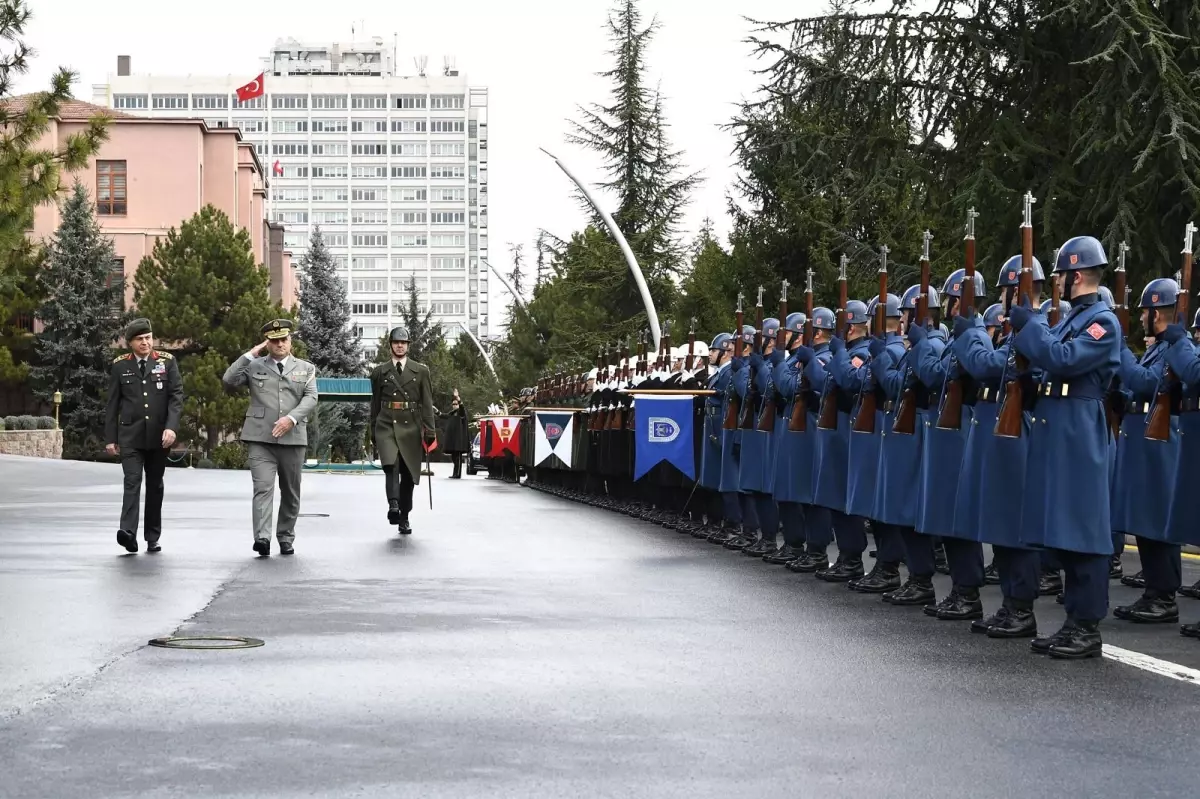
x=330, y=171
x=369, y=148
x=410, y=148
x=251, y=125
x=446, y=101
x=408, y=217
x=454, y=171
x=411, y=263
x=210, y=101
x=448, y=307
x=379, y=171
x=329, y=126
x=408, y=126
x=329, y=217
x=216, y=124
x=329, y=101
x=169, y=102
x=449, y=148
x=290, y=126
x=367, y=195
x=116, y=277
x=408, y=101
x=473, y=129
x=368, y=263
x=368, y=101
x=448, y=195
x=253, y=102
x=297, y=195
x=369, y=285
x=409, y=240
x=111, y=188
x=134, y=101
x=370, y=332
x=448, y=240
x=320, y=148
x=408, y=171
x=401, y=195
x=446, y=126
x=450, y=262
x=447, y=217
x=292, y=217
x=369, y=126
x=297, y=241
x=337, y=240
x=368, y=217
x=357, y=308
x=370, y=239
x=291, y=148
x=287, y=101
x=291, y=171
x=337, y=194
x=447, y=285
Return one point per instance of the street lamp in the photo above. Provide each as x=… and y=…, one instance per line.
x=57, y=403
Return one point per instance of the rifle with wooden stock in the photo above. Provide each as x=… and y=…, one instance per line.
x=616, y=413
x=734, y=406
x=1012, y=408
x=828, y=418
x=950, y=414
x=1158, y=423
x=766, y=419
x=868, y=402
x=905, y=423
x=753, y=398
x=691, y=356
x=1055, y=313
x=1114, y=405
x=798, y=422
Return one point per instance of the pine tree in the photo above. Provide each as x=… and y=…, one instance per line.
x=328, y=335
x=516, y=277
x=424, y=334
x=208, y=301
x=29, y=175
x=539, y=275
x=83, y=315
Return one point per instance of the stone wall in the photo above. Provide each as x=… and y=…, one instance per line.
x=32, y=443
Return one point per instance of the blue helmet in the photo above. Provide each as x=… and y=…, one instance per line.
x=795, y=321
x=1161, y=292
x=1010, y=273
x=770, y=327
x=719, y=342
x=909, y=301
x=856, y=313
x=1081, y=252
x=748, y=334
x=1064, y=307
x=891, y=310
x=1107, y=297
x=993, y=315
x=824, y=319
x=954, y=284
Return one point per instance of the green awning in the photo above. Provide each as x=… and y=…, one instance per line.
x=344, y=389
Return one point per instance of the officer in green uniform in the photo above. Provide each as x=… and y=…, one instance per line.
x=145, y=399
x=401, y=420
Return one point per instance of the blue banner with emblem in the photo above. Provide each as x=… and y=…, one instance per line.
x=663, y=432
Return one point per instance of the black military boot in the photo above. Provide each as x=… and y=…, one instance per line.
x=1115, y=569
x=915, y=591
x=1049, y=583
x=1190, y=630
x=990, y=575
x=1042, y=645
x=1191, y=591
x=981, y=626
x=1134, y=581
x=1149, y=610
x=1081, y=642
x=883, y=578
x=1019, y=623
x=809, y=562
x=393, y=511
x=760, y=548
x=725, y=532
x=842, y=571
x=403, y=525
x=961, y=604
x=785, y=554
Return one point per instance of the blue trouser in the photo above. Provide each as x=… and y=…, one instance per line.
x=851, y=535
x=818, y=528
x=749, y=513
x=1118, y=543
x=1018, y=570
x=792, y=518
x=1049, y=560
x=1162, y=567
x=1085, y=584
x=768, y=515
x=732, y=507
x=889, y=544
x=965, y=559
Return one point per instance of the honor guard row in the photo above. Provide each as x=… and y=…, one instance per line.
x=1029, y=426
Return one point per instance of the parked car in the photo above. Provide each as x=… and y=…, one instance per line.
x=474, y=464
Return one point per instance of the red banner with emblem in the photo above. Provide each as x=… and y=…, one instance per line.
x=499, y=435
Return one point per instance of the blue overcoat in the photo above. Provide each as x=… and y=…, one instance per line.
x=714, y=419
x=899, y=455
x=850, y=368
x=1183, y=519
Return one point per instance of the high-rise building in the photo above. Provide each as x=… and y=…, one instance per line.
x=393, y=168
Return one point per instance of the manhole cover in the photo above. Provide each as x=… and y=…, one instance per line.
x=206, y=642
x=313, y=515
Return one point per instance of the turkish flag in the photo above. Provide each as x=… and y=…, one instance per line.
x=277, y=168
x=254, y=88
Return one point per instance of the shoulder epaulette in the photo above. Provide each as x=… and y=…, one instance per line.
x=124, y=357
x=166, y=356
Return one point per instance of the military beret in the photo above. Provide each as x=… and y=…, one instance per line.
x=138, y=327
x=277, y=328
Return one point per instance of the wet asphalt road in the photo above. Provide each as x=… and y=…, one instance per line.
x=521, y=646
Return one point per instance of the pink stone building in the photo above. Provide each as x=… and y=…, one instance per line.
x=152, y=174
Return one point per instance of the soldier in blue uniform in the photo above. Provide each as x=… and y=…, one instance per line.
x=844, y=371
x=1193, y=591
x=731, y=444
x=724, y=513
x=1141, y=498
x=756, y=460
x=1070, y=440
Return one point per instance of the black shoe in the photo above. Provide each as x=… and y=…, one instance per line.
x=403, y=525
x=393, y=511
x=990, y=575
x=1115, y=569
x=153, y=546
x=883, y=578
x=809, y=563
x=1017, y=624
x=940, y=564
x=1050, y=583
x=981, y=626
x=1134, y=581
x=262, y=547
x=1042, y=645
x=1149, y=610
x=128, y=540
x=723, y=534
x=956, y=607
x=760, y=548
x=781, y=556
x=915, y=591
x=739, y=542
x=286, y=549
x=842, y=571
x=1190, y=630
x=1061, y=598
x=1191, y=591
x=1081, y=642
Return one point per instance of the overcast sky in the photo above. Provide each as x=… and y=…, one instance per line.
x=538, y=59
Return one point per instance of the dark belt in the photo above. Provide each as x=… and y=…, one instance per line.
x=400, y=406
x=988, y=395
x=1057, y=390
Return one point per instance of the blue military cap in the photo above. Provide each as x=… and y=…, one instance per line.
x=720, y=340
x=1010, y=273
x=795, y=321
x=277, y=329
x=856, y=313
x=824, y=319
x=1161, y=292
x=954, y=284
x=1081, y=252
x=993, y=315
x=909, y=301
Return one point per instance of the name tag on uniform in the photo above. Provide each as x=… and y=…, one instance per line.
x=300, y=375
x=159, y=385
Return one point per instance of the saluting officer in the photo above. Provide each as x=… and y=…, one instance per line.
x=283, y=393
x=401, y=419
x=145, y=399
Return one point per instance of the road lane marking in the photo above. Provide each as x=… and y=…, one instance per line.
x=1164, y=668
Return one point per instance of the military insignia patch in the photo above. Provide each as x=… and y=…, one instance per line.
x=1096, y=331
x=1153, y=298
x=1074, y=260
x=956, y=287
x=857, y=361
x=1012, y=275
